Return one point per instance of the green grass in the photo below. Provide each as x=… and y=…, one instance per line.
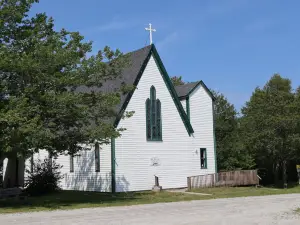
x=231, y=192
x=78, y=199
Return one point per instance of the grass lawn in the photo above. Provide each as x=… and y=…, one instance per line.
x=77, y=199
x=231, y=192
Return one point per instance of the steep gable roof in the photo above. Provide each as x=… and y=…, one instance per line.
x=131, y=76
x=183, y=91
x=128, y=76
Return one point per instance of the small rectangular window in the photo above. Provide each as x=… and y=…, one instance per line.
x=97, y=158
x=71, y=164
x=203, y=158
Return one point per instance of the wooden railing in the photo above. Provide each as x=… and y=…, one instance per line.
x=231, y=178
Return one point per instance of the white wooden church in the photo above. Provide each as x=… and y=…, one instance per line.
x=170, y=135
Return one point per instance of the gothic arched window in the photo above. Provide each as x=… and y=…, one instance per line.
x=153, y=117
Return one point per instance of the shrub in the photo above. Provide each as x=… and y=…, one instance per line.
x=44, y=178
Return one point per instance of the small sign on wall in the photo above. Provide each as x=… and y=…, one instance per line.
x=155, y=161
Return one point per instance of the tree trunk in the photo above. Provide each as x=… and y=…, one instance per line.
x=284, y=174
x=275, y=172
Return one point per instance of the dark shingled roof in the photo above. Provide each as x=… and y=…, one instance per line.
x=128, y=76
x=131, y=75
x=184, y=90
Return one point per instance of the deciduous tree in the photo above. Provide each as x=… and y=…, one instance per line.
x=271, y=123
x=231, y=153
x=40, y=71
x=177, y=80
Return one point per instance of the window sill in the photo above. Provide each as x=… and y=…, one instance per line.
x=157, y=140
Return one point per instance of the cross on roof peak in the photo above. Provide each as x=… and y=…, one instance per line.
x=150, y=29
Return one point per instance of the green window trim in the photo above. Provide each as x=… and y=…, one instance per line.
x=158, y=119
x=97, y=158
x=172, y=91
x=153, y=52
x=153, y=117
x=203, y=158
x=71, y=163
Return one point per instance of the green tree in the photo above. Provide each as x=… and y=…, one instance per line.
x=231, y=153
x=40, y=71
x=271, y=124
x=177, y=80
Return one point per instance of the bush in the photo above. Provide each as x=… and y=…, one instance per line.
x=44, y=178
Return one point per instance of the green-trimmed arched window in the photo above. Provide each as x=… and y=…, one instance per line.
x=153, y=117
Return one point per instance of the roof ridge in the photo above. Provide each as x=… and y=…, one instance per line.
x=140, y=49
x=188, y=83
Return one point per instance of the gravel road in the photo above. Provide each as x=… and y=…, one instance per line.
x=264, y=210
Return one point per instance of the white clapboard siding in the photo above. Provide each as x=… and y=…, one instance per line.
x=84, y=176
x=183, y=103
x=134, y=154
x=177, y=156
x=201, y=117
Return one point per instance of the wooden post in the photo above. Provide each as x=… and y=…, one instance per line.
x=189, y=183
x=156, y=181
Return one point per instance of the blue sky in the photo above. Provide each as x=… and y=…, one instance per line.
x=232, y=45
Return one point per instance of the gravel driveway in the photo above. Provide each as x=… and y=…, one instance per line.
x=276, y=209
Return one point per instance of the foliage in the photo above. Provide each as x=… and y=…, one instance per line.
x=231, y=153
x=41, y=71
x=177, y=80
x=44, y=178
x=271, y=125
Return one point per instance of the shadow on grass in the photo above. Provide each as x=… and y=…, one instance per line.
x=79, y=199
x=290, y=185
x=68, y=199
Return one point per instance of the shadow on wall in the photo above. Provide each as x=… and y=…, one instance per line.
x=122, y=185
x=85, y=178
